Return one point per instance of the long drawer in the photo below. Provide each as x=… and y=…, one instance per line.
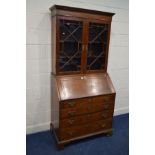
x=85, y=109
x=76, y=103
x=87, y=118
x=72, y=132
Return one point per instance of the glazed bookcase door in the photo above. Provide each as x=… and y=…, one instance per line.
x=70, y=45
x=97, y=46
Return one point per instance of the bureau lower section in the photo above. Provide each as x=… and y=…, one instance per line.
x=85, y=117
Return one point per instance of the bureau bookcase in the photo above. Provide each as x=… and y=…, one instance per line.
x=83, y=95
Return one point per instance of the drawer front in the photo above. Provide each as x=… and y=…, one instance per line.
x=77, y=103
x=102, y=106
x=75, y=121
x=86, y=109
x=68, y=113
x=103, y=115
x=104, y=99
x=73, y=132
x=87, y=118
x=102, y=125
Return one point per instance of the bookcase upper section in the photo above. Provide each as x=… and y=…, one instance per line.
x=80, y=40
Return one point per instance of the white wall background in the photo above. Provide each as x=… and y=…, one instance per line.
x=39, y=56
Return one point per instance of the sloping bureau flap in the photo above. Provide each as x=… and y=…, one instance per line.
x=86, y=85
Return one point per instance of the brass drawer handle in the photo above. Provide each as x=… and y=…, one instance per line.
x=71, y=121
x=71, y=104
x=89, y=108
x=103, y=125
x=87, y=126
x=70, y=133
x=106, y=98
x=72, y=113
x=88, y=116
x=90, y=100
x=104, y=115
x=106, y=107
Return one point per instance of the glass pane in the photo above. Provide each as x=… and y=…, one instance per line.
x=70, y=45
x=97, y=41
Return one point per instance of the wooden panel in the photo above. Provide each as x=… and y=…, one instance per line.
x=76, y=103
x=79, y=86
x=101, y=125
x=53, y=36
x=68, y=133
x=83, y=119
x=86, y=109
x=54, y=101
x=104, y=99
x=78, y=12
x=83, y=15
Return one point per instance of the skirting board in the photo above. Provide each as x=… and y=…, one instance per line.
x=120, y=111
x=38, y=128
x=46, y=126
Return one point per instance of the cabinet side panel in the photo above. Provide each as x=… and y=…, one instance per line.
x=55, y=102
x=107, y=48
x=53, y=43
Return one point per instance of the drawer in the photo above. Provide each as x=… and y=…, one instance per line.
x=104, y=99
x=98, y=106
x=69, y=113
x=103, y=115
x=86, y=109
x=76, y=103
x=75, y=121
x=69, y=133
x=102, y=125
x=87, y=118
x=81, y=130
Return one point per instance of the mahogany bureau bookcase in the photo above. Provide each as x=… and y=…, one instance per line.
x=83, y=95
